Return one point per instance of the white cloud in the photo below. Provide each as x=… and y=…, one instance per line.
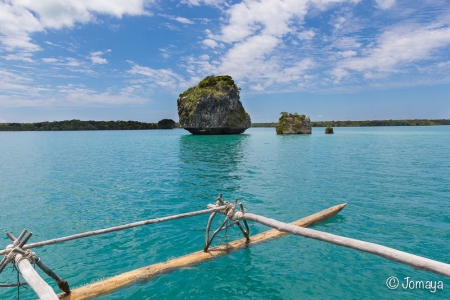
x=254, y=35
x=395, y=47
x=210, y=43
x=63, y=61
x=385, y=4
x=345, y=43
x=257, y=87
x=445, y=64
x=72, y=62
x=346, y=54
x=164, y=52
x=172, y=27
x=339, y=22
x=23, y=56
x=50, y=60
x=97, y=59
x=178, y=19
x=205, y=2
x=14, y=86
x=165, y=78
x=18, y=91
x=306, y=34
x=184, y=20
x=57, y=14
x=19, y=19
x=8, y=76
x=82, y=96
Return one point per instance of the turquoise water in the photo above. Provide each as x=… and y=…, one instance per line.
x=396, y=181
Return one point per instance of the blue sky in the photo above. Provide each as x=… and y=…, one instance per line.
x=129, y=60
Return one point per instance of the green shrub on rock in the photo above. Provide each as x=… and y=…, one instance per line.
x=293, y=124
x=329, y=130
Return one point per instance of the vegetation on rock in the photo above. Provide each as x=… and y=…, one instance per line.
x=329, y=130
x=290, y=123
x=223, y=81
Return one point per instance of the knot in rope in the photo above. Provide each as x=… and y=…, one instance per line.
x=231, y=213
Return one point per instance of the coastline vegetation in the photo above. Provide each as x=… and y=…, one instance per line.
x=368, y=123
x=79, y=125
x=134, y=125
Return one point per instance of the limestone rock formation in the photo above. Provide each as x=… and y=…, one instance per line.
x=166, y=124
x=213, y=107
x=293, y=124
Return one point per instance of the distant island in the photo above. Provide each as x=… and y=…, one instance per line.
x=84, y=125
x=369, y=123
x=134, y=125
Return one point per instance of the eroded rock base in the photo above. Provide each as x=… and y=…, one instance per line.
x=210, y=131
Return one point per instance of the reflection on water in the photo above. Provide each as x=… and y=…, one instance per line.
x=212, y=162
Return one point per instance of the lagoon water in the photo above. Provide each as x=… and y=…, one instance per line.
x=396, y=181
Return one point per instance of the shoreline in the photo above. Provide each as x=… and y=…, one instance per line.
x=77, y=125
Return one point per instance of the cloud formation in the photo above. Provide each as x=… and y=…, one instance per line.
x=97, y=59
x=395, y=48
x=385, y=4
x=268, y=46
x=255, y=36
x=165, y=78
x=19, y=19
x=20, y=91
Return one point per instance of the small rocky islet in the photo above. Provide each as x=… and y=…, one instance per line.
x=166, y=124
x=213, y=107
x=293, y=124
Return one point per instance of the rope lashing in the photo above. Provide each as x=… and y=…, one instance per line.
x=16, y=254
x=231, y=214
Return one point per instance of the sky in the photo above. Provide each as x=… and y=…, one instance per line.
x=129, y=60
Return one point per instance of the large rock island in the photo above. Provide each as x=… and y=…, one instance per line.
x=293, y=124
x=213, y=107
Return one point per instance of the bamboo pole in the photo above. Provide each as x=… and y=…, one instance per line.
x=417, y=262
x=40, y=287
x=115, y=283
x=116, y=228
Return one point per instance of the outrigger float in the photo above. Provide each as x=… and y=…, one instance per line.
x=19, y=253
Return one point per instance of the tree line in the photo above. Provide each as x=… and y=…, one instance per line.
x=134, y=125
x=81, y=125
x=420, y=122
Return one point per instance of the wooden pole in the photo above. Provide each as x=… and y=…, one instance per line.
x=116, y=228
x=417, y=262
x=40, y=287
x=115, y=283
x=62, y=284
x=13, y=284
